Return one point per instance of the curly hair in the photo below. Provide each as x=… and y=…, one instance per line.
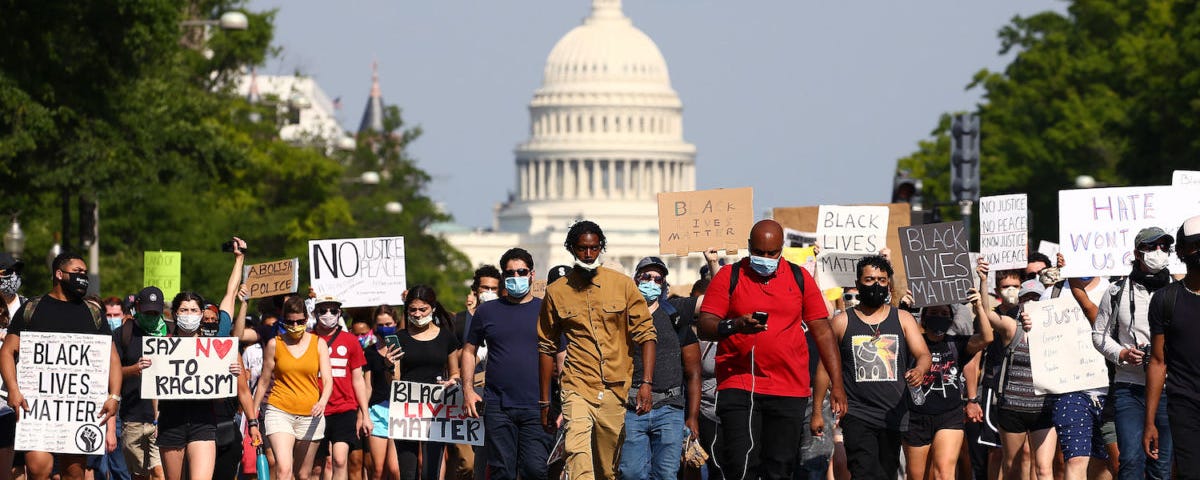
x=579, y=229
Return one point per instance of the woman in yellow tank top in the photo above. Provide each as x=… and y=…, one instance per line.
x=294, y=420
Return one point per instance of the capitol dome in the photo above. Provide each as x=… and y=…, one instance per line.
x=606, y=53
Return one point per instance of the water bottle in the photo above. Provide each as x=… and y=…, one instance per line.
x=264, y=469
x=917, y=393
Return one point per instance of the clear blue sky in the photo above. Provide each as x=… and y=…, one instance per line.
x=808, y=102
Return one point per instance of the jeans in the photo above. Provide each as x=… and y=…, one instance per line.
x=815, y=452
x=516, y=443
x=760, y=434
x=653, y=444
x=110, y=465
x=1130, y=403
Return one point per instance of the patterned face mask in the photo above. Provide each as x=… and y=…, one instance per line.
x=9, y=284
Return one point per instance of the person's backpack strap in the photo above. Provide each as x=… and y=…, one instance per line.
x=1114, y=294
x=1002, y=381
x=126, y=334
x=737, y=272
x=1057, y=290
x=734, y=272
x=30, y=306
x=798, y=275
x=97, y=312
x=1166, y=308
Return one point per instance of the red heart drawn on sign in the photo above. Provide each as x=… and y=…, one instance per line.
x=222, y=347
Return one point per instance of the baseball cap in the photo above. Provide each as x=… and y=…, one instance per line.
x=9, y=263
x=1151, y=235
x=653, y=262
x=1190, y=230
x=327, y=298
x=557, y=272
x=150, y=299
x=1032, y=287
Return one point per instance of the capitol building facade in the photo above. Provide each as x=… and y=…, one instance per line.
x=606, y=136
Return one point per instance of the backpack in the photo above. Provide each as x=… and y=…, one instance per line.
x=1002, y=378
x=737, y=272
x=97, y=311
x=1166, y=307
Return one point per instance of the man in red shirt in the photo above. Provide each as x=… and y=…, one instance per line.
x=346, y=414
x=778, y=388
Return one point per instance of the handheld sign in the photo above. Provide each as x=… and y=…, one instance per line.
x=361, y=272
x=1097, y=226
x=699, y=220
x=194, y=368
x=1189, y=178
x=798, y=239
x=538, y=288
x=847, y=234
x=1003, y=230
x=1060, y=348
x=64, y=378
x=272, y=278
x=937, y=263
x=161, y=269
x=432, y=413
x=1049, y=249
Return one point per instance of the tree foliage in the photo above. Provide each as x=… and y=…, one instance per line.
x=1111, y=90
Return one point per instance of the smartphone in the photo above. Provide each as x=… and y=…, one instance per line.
x=760, y=317
x=228, y=247
x=392, y=341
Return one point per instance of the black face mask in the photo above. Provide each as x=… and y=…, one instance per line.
x=937, y=325
x=1192, y=260
x=872, y=296
x=75, y=285
x=209, y=329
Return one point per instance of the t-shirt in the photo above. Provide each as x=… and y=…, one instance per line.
x=381, y=380
x=943, y=384
x=425, y=360
x=345, y=360
x=133, y=407
x=780, y=352
x=510, y=331
x=668, y=356
x=53, y=315
x=1180, y=337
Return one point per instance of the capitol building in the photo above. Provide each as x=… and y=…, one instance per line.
x=605, y=137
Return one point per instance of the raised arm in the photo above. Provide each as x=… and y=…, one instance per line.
x=235, y=275
x=984, y=334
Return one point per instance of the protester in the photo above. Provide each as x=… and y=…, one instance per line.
x=602, y=315
x=1038, y=267
x=10, y=301
x=294, y=420
x=1174, y=315
x=346, y=415
x=431, y=354
x=654, y=441
x=62, y=310
x=515, y=442
x=138, y=415
x=382, y=362
x=465, y=461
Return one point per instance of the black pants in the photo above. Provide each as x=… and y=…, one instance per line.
x=979, y=452
x=712, y=445
x=229, y=458
x=427, y=468
x=753, y=448
x=1185, y=435
x=872, y=451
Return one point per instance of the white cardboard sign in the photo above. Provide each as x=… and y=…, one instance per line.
x=431, y=412
x=193, y=368
x=64, y=378
x=1189, y=178
x=1060, y=348
x=1003, y=230
x=361, y=272
x=846, y=234
x=1097, y=226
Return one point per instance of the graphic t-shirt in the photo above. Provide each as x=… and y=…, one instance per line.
x=873, y=359
x=345, y=360
x=425, y=360
x=943, y=385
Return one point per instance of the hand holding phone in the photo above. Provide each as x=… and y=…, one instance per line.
x=760, y=317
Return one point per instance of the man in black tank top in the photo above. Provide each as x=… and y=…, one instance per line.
x=877, y=341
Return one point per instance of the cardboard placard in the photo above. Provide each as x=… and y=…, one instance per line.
x=1004, y=230
x=699, y=220
x=1188, y=178
x=64, y=377
x=361, y=272
x=191, y=368
x=1097, y=226
x=847, y=234
x=938, y=266
x=430, y=412
x=798, y=239
x=161, y=269
x=1049, y=249
x=538, y=288
x=272, y=278
x=804, y=257
x=805, y=219
x=1060, y=348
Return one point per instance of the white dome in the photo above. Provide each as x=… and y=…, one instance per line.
x=606, y=49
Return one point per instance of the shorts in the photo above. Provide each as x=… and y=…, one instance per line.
x=303, y=427
x=1077, y=420
x=139, y=444
x=181, y=434
x=379, y=420
x=989, y=435
x=1011, y=421
x=922, y=427
x=8, y=430
x=342, y=427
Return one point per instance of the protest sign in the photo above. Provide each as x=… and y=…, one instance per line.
x=703, y=219
x=64, y=377
x=361, y=272
x=804, y=257
x=796, y=238
x=805, y=219
x=1003, y=230
x=193, y=368
x=1188, y=178
x=1049, y=249
x=937, y=263
x=1097, y=226
x=1060, y=348
x=161, y=269
x=431, y=412
x=272, y=278
x=538, y=288
x=846, y=234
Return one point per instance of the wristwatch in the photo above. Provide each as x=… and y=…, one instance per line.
x=726, y=328
x=973, y=400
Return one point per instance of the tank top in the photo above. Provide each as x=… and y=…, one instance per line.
x=873, y=366
x=1018, y=393
x=295, y=389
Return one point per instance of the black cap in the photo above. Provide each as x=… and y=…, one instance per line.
x=652, y=262
x=9, y=263
x=557, y=272
x=150, y=299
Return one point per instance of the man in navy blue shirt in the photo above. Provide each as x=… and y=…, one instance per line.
x=515, y=440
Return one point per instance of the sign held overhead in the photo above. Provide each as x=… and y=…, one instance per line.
x=702, y=219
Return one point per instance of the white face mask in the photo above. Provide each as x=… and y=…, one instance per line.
x=188, y=323
x=591, y=267
x=1156, y=261
x=1010, y=295
x=421, y=321
x=487, y=296
x=329, y=320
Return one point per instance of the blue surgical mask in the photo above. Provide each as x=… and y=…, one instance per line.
x=650, y=290
x=114, y=322
x=763, y=265
x=517, y=287
x=1086, y=279
x=385, y=331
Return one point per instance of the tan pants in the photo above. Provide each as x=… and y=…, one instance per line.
x=595, y=432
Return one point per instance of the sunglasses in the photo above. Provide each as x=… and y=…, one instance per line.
x=331, y=310
x=520, y=272
x=293, y=322
x=646, y=277
x=1154, y=246
x=850, y=297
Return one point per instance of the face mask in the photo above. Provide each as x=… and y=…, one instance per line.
x=936, y=325
x=1156, y=260
x=385, y=331
x=115, y=322
x=9, y=284
x=517, y=287
x=852, y=303
x=1192, y=261
x=151, y=324
x=76, y=285
x=489, y=295
x=1010, y=295
x=763, y=265
x=1086, y=279
x=591, y=267
x=209, y=329
x=366, y=340
x=650, y=290
x=1049, y=276
x=294, y=331
x=421, y=321
x=329, y=320
x=188, y=323
x=873, y=296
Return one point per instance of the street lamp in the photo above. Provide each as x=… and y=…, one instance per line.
x=1085, y=181
x=55, y=251
x=229, y=21
x=14, y=239
x=369, y=177
x=393, y=207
